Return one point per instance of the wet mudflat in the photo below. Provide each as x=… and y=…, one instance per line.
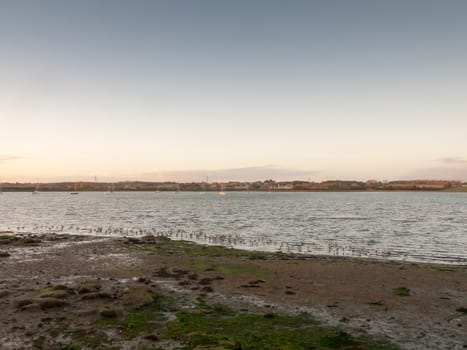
x=75, y=292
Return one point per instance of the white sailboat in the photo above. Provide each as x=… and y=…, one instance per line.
x=222, y=193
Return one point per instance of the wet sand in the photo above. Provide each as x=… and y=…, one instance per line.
x=416, y=306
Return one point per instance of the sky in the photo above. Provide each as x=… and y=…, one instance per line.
x=233, y=90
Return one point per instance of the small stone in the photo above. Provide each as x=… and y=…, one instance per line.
x=151, y=337
x=205, y=281
x=193, y=276
x=108, y=313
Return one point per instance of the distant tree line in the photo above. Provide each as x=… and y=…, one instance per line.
x=267, y=185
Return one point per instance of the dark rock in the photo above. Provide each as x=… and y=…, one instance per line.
x=108, y=313
x=193, y=276
x=180, y=272
x=151, y=337
x=132, y=240
x=162, y=272
x=205, y=281
x=257, y=282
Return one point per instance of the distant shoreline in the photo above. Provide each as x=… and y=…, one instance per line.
x=454, y=190
x=238, y=186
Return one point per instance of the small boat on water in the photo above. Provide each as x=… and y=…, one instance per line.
x=222, y=193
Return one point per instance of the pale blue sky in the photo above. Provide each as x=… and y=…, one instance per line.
x=233, y=89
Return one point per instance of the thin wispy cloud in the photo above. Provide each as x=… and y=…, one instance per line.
x=453, y=160
x=458, y=173
x=4, y=158
x=451, y=168
x=233, y=174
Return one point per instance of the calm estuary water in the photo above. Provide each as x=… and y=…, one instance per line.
x=410, y=226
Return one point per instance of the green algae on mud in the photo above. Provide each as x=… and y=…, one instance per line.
x=171, y=247
x=401, y=291
x=140, y=319
x=95, y=339
x=140, y=315
x=226, y=269
x=219, y=327
x=19, y=240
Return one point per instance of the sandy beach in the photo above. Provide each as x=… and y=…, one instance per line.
x=76, y=292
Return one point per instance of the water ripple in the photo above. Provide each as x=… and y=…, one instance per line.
x=428, y=227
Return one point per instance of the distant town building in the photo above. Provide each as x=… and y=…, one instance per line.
x=284, y=186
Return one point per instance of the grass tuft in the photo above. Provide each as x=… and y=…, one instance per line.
x=401, y=291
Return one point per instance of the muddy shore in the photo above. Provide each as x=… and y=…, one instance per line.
x=75, y=292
